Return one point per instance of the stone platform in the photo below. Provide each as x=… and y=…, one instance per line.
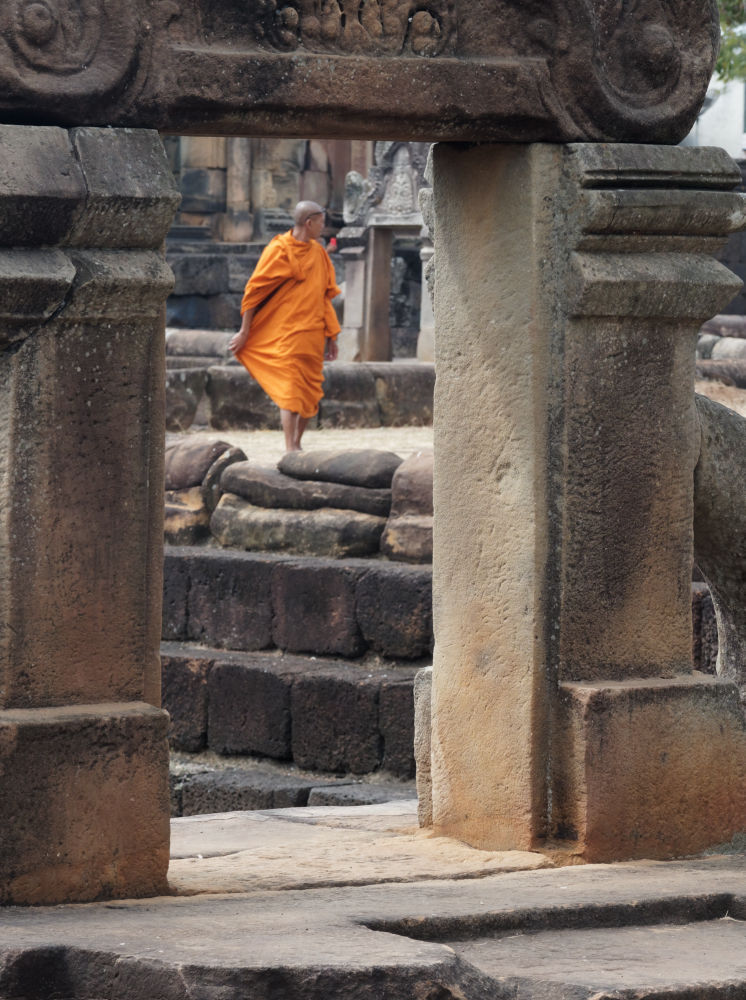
x=357, y=904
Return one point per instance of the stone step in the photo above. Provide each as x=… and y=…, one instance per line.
x=381, y=394
x=327, y=607
x=324, y=715
x=301, y=604
x=206, y=783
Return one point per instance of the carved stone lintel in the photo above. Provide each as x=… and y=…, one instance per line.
x=439, y=69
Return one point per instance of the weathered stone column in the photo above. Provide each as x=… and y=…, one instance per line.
x=376, y=344
x=83, y=755
x=354, y=251
x=570, y=283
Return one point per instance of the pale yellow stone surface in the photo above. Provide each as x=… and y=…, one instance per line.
x=490, y=508
x=726, y=395
x=282, y=849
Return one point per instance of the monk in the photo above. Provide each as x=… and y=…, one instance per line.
x=288, y=323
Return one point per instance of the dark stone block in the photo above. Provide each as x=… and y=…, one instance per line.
x=197, y=343
x=271, y=488
x=198, y=274
x=185, y=388
x=190, y=311
x=233, y=789
x=187, y=519
x=704, y=630
x=393, y=607
x=409, y=531
x=314, y=607
x=225, y=311
x=204, y=312
x=202, y=189
x=338, y=534
x=404, y=393
x=237, y=401
x=184, y=361
x=211, y=484
x=335, y=720
x=184, y=693
x=176, y=576
x=358, y=794
x=229, y=599
x=396, y=724
x=187, y=462
x=349, y=397
x=366, y=467
x=731, y=372
x=250, y=706
x=240, y=267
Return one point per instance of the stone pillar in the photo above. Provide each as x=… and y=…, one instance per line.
x=426, y=337
x=237, y=225
x=83, y=753
x=376, y=345
x=351, y=336
x=570, y=284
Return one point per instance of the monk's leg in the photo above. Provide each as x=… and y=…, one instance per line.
x=293, y=425
x=300, y=427
x=289, y=423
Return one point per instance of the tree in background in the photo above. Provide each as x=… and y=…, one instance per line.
x=731, y=64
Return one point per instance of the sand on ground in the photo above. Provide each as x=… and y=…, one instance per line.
x=266, y=448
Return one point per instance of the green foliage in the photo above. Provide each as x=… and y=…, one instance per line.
x=731, y=64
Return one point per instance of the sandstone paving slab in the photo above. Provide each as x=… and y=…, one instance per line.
x=227, y=833
x=336, y=856
x=675, y=931
x=703, y=959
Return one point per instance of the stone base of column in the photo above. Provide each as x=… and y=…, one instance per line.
x=650, y=768
x=85, y=794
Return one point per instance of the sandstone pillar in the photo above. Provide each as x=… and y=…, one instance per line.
x=83, y=755
x=376, y=345
x=570, y=283
x=351, y=336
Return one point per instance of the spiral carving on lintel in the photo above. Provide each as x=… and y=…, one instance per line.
x=72, y=48
x=623, y=65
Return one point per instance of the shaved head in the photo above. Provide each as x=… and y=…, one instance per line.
x=304, y=209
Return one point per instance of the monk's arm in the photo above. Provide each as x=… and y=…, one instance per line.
x=332, y=351
x=238, y=340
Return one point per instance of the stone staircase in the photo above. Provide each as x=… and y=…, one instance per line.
x=288, y=676
x=289, y=679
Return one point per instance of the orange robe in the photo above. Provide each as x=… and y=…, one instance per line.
x=287, y=337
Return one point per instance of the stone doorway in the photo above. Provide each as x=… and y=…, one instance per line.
x=564, y=108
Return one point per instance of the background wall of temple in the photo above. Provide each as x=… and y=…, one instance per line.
x=257, y=182
x=237, y=193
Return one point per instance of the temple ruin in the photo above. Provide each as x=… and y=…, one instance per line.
x=563, y=696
